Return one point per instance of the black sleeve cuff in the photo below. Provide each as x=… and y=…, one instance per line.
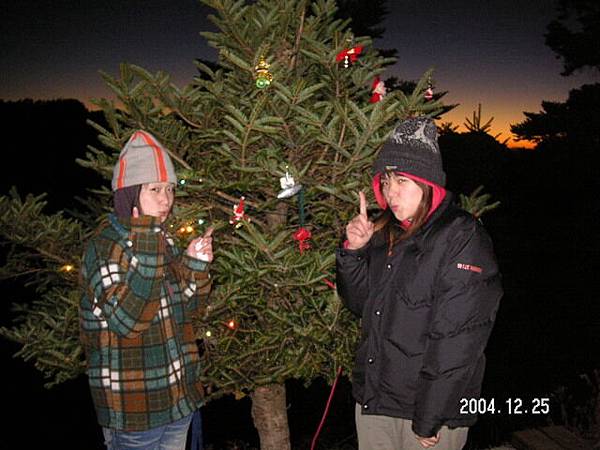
x=425, y=429
x=358, y=253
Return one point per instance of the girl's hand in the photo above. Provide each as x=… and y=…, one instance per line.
x=428, y=442
x=360, y=229
x=201, y=247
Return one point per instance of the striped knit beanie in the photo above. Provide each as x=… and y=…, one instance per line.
x=413, y=148
x=143, y=160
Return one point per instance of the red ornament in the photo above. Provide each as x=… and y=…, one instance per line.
x=238, y=213
x=378, y=89
x=349, y=55
x=302, y=236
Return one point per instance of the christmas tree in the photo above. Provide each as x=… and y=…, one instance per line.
x=272, y=147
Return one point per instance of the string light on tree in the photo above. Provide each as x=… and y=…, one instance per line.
x=186, y=229
x=67, y=268
x=231, y=324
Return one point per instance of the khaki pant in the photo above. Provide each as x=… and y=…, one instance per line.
x=392, y=433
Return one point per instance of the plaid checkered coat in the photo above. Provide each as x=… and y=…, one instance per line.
x=140, y=294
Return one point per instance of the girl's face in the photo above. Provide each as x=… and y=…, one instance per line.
x=402, y=195
x=156, y=199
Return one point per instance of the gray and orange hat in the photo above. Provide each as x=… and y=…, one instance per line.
x=143, y=160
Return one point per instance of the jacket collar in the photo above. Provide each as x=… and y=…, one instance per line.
x=433, y=218
x=142, y=224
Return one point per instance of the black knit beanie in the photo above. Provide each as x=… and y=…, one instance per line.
x=413, y=148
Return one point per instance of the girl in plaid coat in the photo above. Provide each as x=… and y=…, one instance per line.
x=141, y=293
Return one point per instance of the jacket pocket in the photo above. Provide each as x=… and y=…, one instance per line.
x=407, y=323
x=415, y=299
x=399, y=378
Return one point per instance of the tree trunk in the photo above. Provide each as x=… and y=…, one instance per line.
x=270, y=417
x=269, y=410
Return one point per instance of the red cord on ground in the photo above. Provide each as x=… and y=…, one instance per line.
x=314, y=441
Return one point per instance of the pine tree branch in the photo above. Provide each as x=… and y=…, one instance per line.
x=295, y=58
x=186, y=120
x=342, y=134
x=336, y=158
x=234, y=200
x=52, y=256
x=178, y=159
x=20, y=274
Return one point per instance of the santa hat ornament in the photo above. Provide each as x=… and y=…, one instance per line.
x=429, y=91
x=378, y=89
x=238, y=213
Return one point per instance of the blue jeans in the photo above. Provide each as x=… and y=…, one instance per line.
x=168, y=437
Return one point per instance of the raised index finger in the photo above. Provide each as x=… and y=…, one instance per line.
x=363, y=203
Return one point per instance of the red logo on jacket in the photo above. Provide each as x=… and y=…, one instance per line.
x=470, y=267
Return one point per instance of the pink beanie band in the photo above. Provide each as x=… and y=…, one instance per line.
x=439, y=193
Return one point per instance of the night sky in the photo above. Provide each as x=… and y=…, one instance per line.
x=488, y=52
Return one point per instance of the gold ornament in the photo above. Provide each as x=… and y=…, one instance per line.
x=262, y=74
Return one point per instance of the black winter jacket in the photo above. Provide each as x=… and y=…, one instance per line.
x=427, y=313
